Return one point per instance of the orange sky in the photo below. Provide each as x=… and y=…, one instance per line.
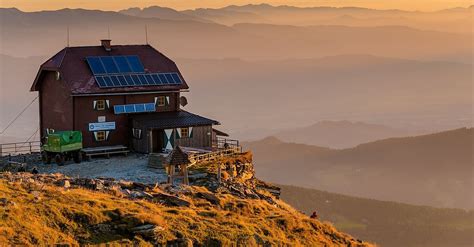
x=34, y=5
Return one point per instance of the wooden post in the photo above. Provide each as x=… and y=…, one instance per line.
x=150, y=140
x=219, y=173
x=184, y=169
x=171, y=174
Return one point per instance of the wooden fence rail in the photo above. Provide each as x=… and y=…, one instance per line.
x=17, y=148
x=196, y=158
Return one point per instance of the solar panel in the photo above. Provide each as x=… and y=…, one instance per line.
x=135, y=64
x=123, y=71
x=150, y=107
x=134, y=108
x=109, y=65
x=130, y=80
x=119, y=109
x=122, y=64
x=96, y=65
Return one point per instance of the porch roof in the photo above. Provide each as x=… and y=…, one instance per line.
x=175, y=119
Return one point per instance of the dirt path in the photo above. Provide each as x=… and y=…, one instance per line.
x=134, y=168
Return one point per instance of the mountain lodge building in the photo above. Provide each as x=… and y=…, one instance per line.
x=127, y=95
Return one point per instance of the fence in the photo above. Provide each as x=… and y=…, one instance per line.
x=196, y=158
x=11, y=149
x=224, y=143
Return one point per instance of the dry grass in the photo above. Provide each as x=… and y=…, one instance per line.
x=50, y=215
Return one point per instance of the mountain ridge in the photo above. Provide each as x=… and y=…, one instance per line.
x=439, y=165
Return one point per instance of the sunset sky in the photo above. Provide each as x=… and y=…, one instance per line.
x=425, y=5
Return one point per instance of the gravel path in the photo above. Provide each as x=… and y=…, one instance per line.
x=133, y=167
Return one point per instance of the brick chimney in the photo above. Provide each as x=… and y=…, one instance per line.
x=106, y=44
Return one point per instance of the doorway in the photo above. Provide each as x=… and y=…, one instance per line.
x=157, y=141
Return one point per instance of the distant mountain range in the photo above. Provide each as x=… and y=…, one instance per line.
x=341, y=134
x=434, y=170
x=388, y=224
x=186, y=35
x=452, y=20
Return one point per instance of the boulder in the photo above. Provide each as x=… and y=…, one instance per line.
x=209, y=197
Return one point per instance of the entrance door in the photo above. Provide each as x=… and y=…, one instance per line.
x=157, y=140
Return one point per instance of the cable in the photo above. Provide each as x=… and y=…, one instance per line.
x=17, y=116
x=29, y=138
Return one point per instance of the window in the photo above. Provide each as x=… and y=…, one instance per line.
x=100, y=105
x=100, y=136
x=184, y=132
x=161, y=101
x=137, y=133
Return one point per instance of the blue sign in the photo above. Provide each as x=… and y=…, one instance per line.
x=101, y=126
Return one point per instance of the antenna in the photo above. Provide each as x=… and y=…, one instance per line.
x=146, y=34
x=68, y=36
x=108, y=31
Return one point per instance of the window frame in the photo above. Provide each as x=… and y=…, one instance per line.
x=100, y=105
x=161, y=101
x=187, y=132
x=101, y=136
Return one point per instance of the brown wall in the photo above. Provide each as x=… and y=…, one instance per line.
x=85, y=114
x=200, y=139
x=56, y=104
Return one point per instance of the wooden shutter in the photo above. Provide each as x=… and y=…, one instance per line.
x=178, y=133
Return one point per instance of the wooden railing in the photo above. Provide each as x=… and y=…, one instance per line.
x=17, y=148
x=224, y=143
x=196, y=158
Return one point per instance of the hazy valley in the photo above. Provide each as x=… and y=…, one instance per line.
x=434, y=170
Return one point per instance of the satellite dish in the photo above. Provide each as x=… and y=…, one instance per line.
x=183, y=101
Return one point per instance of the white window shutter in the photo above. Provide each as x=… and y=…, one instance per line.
x=190, y=133
x=107, y=135
x=156, y=100
x=95, y=135
x=178, y=130
x=139, y=134
x=94, y=105
x=167, y=100
x=107, y=103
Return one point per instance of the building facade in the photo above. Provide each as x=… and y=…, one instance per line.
x=126, y=95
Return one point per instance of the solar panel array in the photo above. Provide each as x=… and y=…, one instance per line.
x=135, y=80
x=134, y=108
x=127, y=71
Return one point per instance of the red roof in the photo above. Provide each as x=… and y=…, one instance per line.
x=75, y=72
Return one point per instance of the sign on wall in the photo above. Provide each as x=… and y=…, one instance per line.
x=102, y=126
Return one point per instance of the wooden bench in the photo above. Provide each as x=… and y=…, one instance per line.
x=106, y=150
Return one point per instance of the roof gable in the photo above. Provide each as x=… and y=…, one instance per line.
x=75, y=72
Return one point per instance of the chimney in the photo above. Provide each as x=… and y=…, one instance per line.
x=106, y=44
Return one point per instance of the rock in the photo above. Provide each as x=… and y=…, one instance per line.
x=209, y=197
x=3, y=201
x=147, y=231
x=65, y=184
x=170, y=200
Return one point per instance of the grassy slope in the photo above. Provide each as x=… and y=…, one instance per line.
x=386, y=223
x=74, y=215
